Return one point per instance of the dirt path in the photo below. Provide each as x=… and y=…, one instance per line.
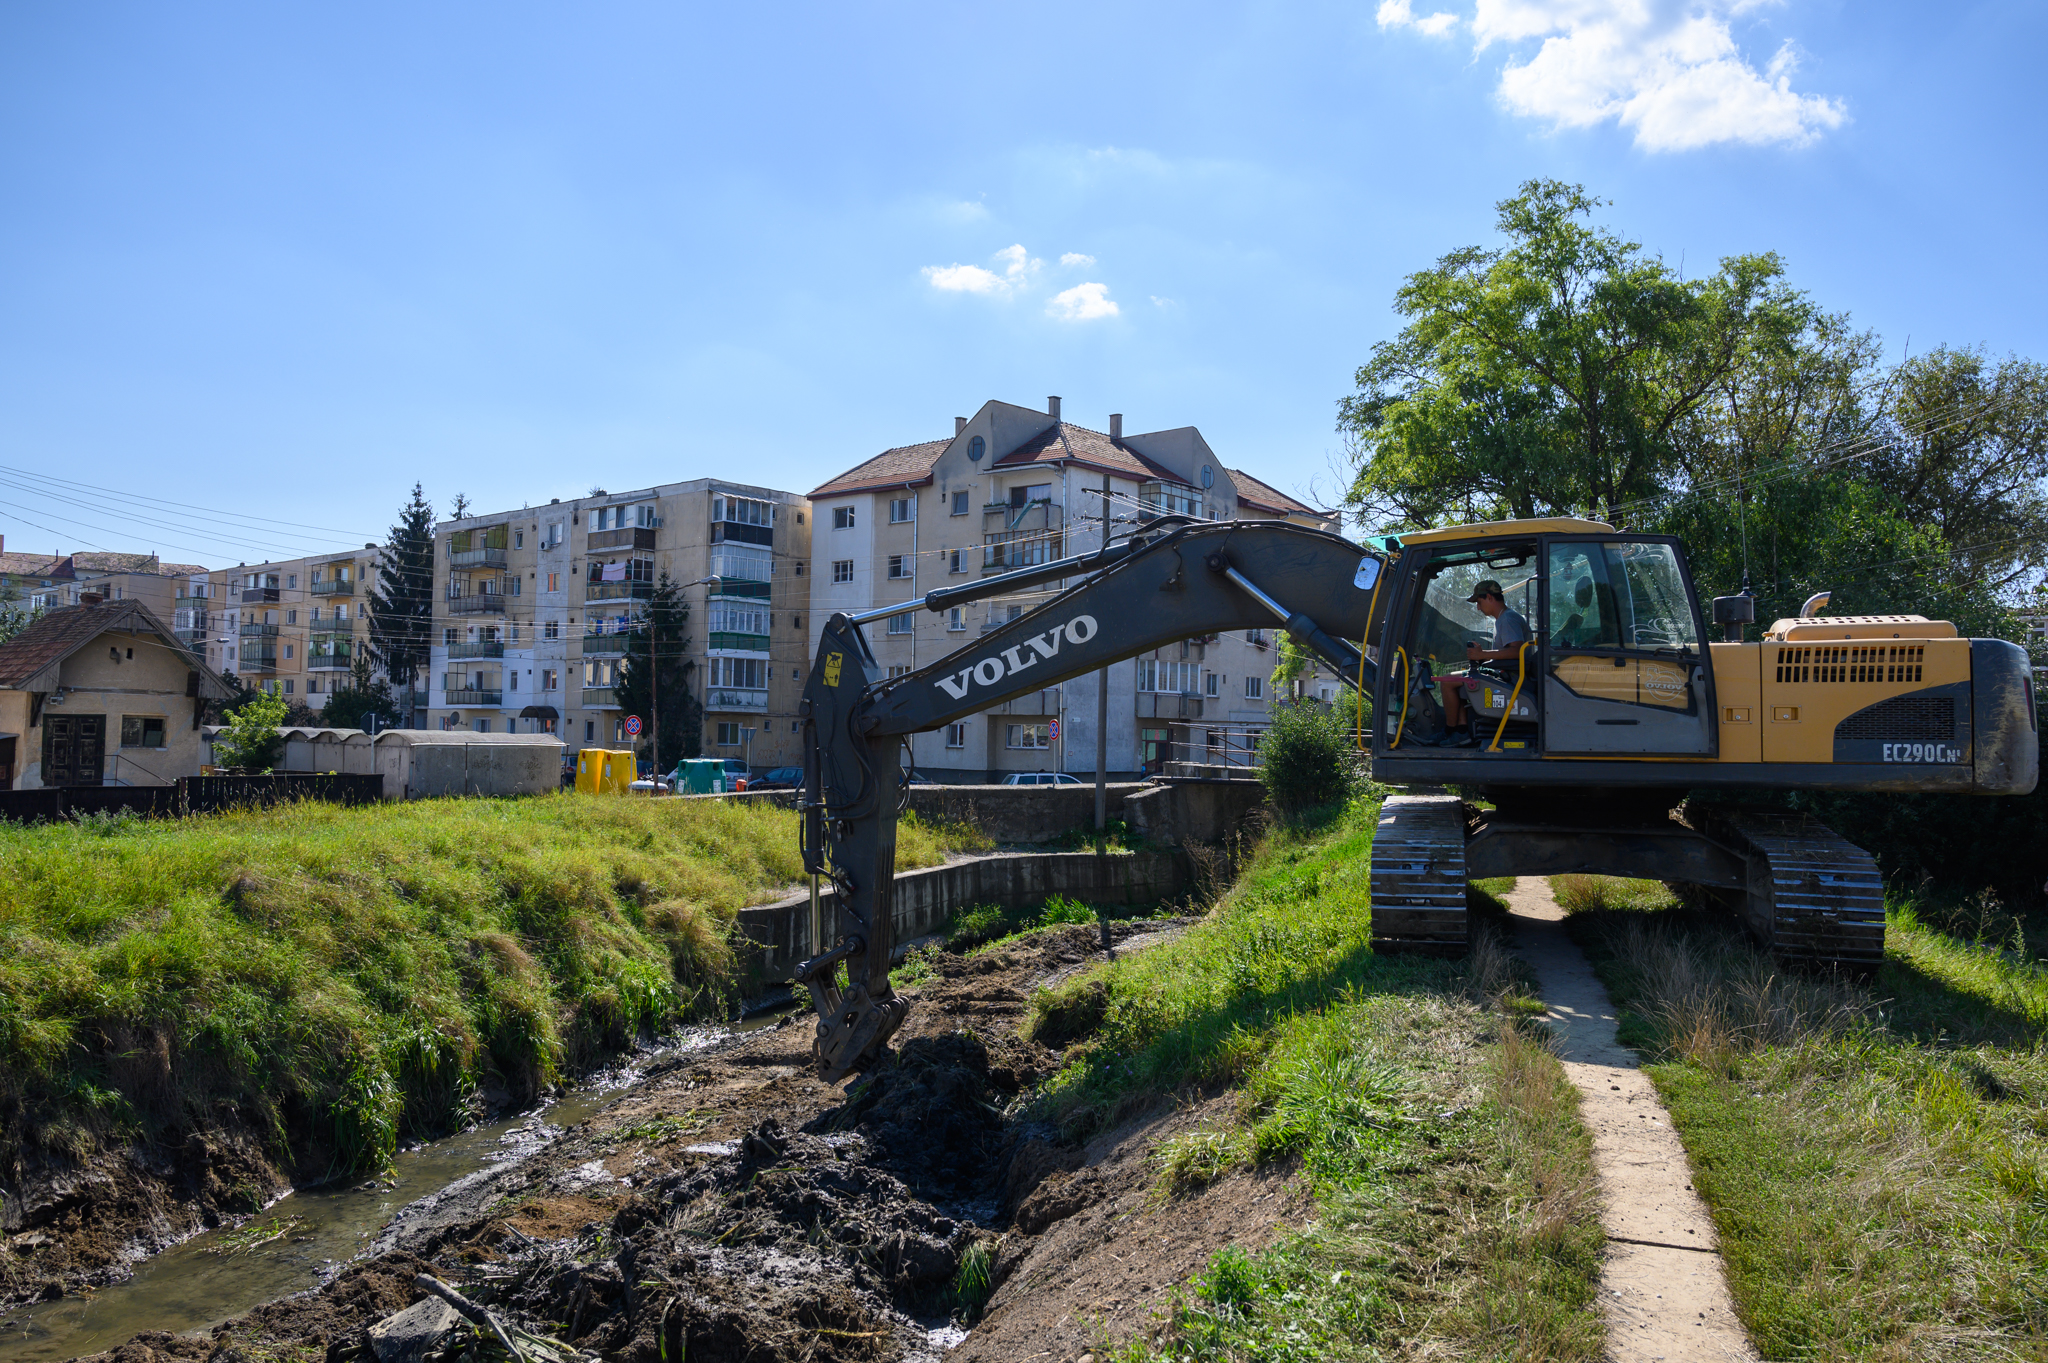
x=1665, y=1294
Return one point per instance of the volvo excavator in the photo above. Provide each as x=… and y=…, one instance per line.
x=1616, y=707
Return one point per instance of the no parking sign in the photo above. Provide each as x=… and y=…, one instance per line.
x=632, y=726
x=1055, y=731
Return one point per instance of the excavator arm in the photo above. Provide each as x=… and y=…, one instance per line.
x=1175, y=580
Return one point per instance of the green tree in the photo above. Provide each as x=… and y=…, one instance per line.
x=402, y=604
x=362, y=695
x=1556, y=373
x=250, y=740
x=660, y=636
x=14, y=619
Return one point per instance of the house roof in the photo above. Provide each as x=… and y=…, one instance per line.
x=1065, y=441
x=29, y=661
x=1265, y=497
x=67, y=567
x=52, y=566
x=891, y=468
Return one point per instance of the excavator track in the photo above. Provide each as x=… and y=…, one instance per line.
x=1814, y=897
x=1418, y=875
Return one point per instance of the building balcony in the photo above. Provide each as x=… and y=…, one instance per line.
x=1166, y=705
x=477, y=603
x=599, y=698
x=489, y=648
x=330, y=656
x=626, y=537
x=257, y=660
x=192, y=603
x=618, y=591
x=476, y=558
x=739, y=589
x=193, y=636
x=259, y=631
x=739, y=643
x=734, y=698
x=492, y=698
x=332, y=587
x=1001, y=516
x=606, y=645
x=259, y=594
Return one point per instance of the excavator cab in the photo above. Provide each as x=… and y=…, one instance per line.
x=1615, y=662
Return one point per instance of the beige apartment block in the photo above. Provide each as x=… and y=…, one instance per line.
x=1013, y=487
x=293, y=627
x=535, y=606
x=50, y=581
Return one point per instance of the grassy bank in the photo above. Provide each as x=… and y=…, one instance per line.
x=1451, y=1177
x=1875, y=1152
x=335, y=977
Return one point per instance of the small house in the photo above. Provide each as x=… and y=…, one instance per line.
x=101, y=693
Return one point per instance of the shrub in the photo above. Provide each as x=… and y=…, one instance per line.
x=1306, y=759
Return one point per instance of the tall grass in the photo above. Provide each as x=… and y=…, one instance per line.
x=335, y=978
x=1875, y=1151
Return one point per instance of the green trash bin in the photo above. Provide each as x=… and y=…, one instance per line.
x=701, y=775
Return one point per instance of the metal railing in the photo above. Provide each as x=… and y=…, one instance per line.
x=600, y=698
x=332, y=587
x=627, y=537
x=734, y=698
x=259, y=631
x=480, y=603
x=487, y=648
x=477, y=558
x=475, y=697
x=606, y=645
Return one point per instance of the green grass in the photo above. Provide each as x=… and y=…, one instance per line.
x=1452, y=1179
x=331, y=977
x=1875, y=1152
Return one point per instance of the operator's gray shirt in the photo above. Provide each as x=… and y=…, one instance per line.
x=1509, y=629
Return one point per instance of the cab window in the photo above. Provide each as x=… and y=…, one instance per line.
x=1619, y=595
x=1447, y=621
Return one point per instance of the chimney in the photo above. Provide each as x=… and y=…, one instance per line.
x=1116, y=425
x=959, y=426
x=1052, y=407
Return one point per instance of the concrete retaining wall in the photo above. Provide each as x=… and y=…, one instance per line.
x=1176, y=812
x=780, y=932
x=1021, y=814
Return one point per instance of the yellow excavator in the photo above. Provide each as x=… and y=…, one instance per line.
x=1608, y=704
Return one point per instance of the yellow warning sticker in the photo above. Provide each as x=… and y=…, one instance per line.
x=832, y=661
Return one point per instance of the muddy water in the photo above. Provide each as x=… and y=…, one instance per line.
x=202, y=1282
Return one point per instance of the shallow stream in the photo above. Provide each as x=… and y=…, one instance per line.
x=205, y=1280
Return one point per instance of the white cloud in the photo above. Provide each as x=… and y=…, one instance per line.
x=1018, y=267
x=1401, y=14
x=1159, y=302
x=1082, y=303
x=1076, y=258
x=1668, y=69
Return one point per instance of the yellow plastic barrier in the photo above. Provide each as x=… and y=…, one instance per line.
x=603, y=771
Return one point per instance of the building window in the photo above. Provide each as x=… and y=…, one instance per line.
x=960, y=503
x=842, y=570
x=902, y=509
x=842, y=518
x=899, y=565
x=289, y=685
x=312, y=686
x=1030, y=736
x=976, y=448
x=550, y=679
x=518, y=585
x=288, y=651
x=291, y=617
x=551, y=629
x=905, y=623
x=1033, y=492
x=291, y=580
x=956, y=735
x=518, y=539
x=956, y=619
x=512, y=679
x=316, y=615
x=589, y=731
x=555, y=581
x=728, y=735
x=483, y=726
x=1254, y=688
x=958, y=560
x=447, y=636
x=898, y=670
x=142, y=731
x=1168, y=677
x=1212, y=684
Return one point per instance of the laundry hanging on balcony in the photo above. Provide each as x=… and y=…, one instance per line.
x=614, y=572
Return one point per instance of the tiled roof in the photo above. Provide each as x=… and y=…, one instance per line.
x=68, y=566
x=57, y=635
x=1265, y=497
x=890, y=468
x=36, y=565
x=1078, y=443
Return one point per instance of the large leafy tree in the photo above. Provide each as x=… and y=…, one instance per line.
x=1554, y=373
x=361, y=696
x=402, y=603
x=661, y=640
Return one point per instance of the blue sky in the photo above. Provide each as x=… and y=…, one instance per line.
x=284, y=260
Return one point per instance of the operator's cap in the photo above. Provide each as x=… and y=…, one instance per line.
x=1487, y=587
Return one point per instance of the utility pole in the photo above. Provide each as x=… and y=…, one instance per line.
x=1102, y=748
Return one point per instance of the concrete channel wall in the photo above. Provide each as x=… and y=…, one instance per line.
x=924, y=899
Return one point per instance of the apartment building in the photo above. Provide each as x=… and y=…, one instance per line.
x=1015, y=486
x=293, y=627
x=536, y=607
x=49, y=581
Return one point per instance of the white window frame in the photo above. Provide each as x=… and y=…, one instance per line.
x=842, y=570
x=956, y=735
x=843, y=518
x=1029, y=737
x=902, y=510
x=956, y=619
x=904, y=622
x=1254, y=686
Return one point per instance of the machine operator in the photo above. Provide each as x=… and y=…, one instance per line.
x=1510, y=632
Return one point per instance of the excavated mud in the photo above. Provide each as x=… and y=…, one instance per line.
x=731, y=1206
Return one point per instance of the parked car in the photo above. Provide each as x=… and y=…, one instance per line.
x=1042, y=778
x=778, y=778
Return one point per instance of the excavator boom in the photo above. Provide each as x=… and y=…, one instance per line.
x=1175, y=582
